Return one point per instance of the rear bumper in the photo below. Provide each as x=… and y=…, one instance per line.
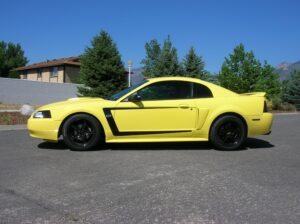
x=43, y=128
x=268, y=133
x=260, y=125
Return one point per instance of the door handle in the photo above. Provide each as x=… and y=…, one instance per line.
x=184, y=106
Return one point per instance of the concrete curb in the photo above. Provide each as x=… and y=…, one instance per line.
x=283, y=113
x=10, y=111
x=13, y=127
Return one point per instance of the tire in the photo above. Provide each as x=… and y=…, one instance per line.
x=228, y=133
x=82, y=132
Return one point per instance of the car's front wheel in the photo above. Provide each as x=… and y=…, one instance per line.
x=228, y=133
x=82, y=132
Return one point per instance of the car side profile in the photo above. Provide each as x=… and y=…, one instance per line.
x=170, y=109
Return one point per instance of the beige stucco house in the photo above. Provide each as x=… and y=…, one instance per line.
x=64, y=70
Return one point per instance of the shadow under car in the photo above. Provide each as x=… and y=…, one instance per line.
x=251, y=143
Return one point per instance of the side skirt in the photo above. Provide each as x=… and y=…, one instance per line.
x=134, y=140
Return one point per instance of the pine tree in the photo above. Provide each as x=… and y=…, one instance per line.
x=102, y=71
x=292, y=91
x=168, y=61
x=193, y=66
x=11, y=57
x=161, y=61
x=151, y=60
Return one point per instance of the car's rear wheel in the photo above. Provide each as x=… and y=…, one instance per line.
x=82, y=132
x=228, y=132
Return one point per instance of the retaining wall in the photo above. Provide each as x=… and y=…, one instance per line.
x=34, y=92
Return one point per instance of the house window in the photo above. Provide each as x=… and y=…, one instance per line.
x=54, y=72
x=39, y=73
x=25, y=75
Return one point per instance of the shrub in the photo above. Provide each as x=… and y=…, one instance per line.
x=276, y=103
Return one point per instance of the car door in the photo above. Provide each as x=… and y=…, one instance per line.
x=164, y=107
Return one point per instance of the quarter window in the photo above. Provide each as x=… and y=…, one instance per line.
x=201, y=91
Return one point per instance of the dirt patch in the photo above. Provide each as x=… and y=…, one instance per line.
x=11, y=118
x=7, y=106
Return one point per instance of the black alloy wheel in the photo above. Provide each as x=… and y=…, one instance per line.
x=82, y=132
x=228, y=133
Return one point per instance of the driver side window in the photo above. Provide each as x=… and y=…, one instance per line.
x=167, y=90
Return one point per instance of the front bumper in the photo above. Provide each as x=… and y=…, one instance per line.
x=44, y=128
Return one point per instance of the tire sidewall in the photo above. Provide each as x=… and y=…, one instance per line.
x=97, y=138
x=217, y=142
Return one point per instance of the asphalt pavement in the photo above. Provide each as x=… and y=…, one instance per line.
x=44, y=182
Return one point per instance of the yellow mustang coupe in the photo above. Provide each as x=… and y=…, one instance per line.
x=157, y=110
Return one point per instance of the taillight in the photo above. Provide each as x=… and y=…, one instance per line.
x=265, y=107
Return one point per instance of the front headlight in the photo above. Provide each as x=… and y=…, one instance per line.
x=42, y=114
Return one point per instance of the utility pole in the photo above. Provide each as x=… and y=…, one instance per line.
x=129, y=70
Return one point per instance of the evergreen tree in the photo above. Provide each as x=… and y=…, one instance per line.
x=161, y=61
x=193, y=66
x=102, y=71
x=151, y=61
x=168, y=61
x=11, y=57
x=292, y=91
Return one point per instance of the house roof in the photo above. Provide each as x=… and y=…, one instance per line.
x=50, y=63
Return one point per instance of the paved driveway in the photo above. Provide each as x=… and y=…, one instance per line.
x=152, y=183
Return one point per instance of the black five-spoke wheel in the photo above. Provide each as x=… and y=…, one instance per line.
x=82, y=132
x=228, y=133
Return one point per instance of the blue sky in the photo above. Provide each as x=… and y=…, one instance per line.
x=55, y=29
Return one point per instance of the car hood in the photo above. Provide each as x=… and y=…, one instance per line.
x=72, y=101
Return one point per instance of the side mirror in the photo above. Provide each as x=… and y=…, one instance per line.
x=135, y=98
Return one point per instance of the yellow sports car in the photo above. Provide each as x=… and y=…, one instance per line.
x=157, y=110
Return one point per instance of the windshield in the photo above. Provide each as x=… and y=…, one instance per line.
x=118, y=95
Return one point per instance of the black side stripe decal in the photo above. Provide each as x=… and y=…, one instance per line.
x=116, y=132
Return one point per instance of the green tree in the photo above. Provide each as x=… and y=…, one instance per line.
x=268, y=81
x=213, y=78
x=292, y=90
x=168, y=61
x=161, y=61
x=102, y=71
x=193, y=65
x=242, y=72
x=151, y=61
x=11, y=57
